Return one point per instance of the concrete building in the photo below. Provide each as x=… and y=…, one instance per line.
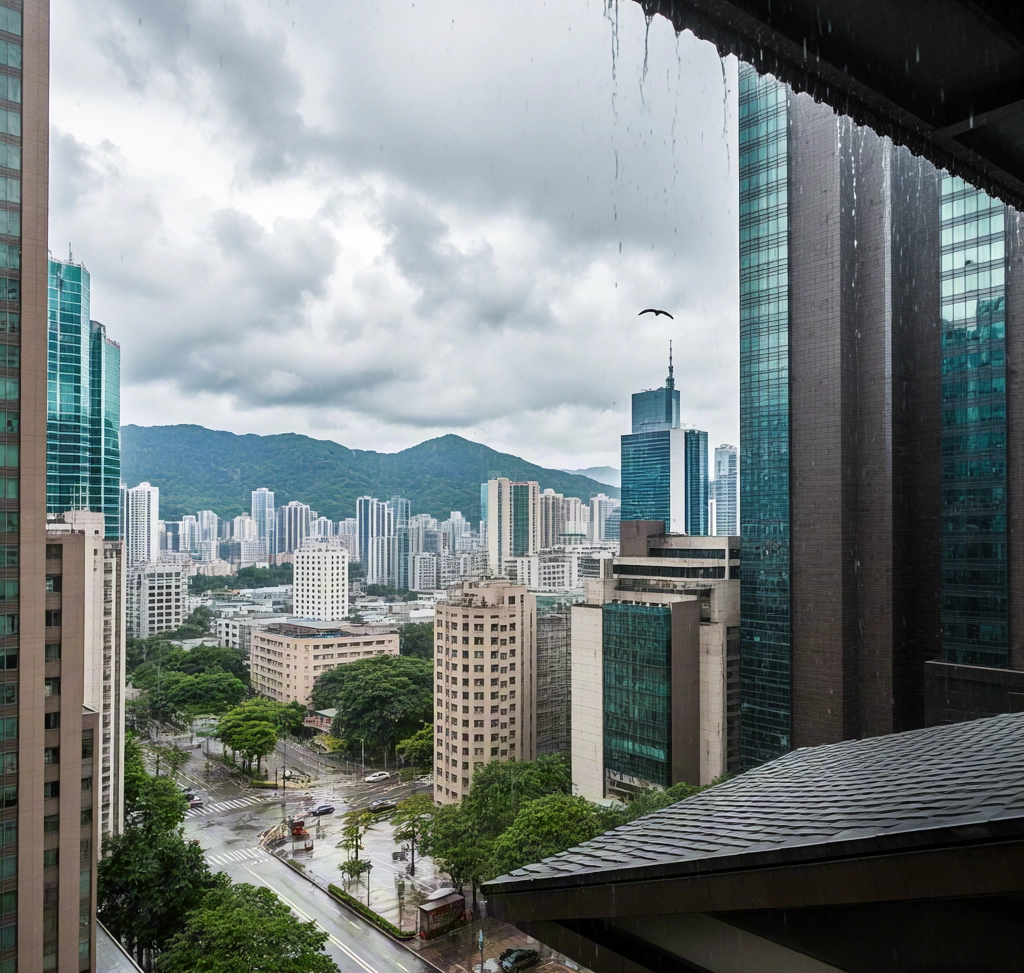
x=375, y=529
x=559, y=568
x=484, y=657
x=140, y=526
x=102, y=578
x=235, y=631
x=266, y=519
x=294, y=526
x=655, y=665
x=554, y=679
x=424, y=572
x=726, y=498
x=513, y=521
x=321, y=582
x=601, y=508
x=157, y=597
x=285, y=658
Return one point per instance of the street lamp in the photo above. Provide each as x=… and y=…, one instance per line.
x=369, y=868
x=480, y=943
x=362, y=745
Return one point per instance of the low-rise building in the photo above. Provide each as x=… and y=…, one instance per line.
x=321, y=720
x=655, y=665
x=285, y=658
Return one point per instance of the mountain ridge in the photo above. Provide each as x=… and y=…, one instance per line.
x=197, y=468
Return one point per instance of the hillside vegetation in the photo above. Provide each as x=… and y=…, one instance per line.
x=204, y=469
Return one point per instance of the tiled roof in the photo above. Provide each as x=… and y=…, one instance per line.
x=949, y=784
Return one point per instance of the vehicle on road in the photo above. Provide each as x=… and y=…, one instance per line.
x=377, y=807
x=196, y=802
x=378, y=776
x=323, y=809
x=518, y=959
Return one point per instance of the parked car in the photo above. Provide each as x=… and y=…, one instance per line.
x=323, y=809
x=196, y=802
x=380, y=775
x=376, y=807
x=189, y=795
x=518, y=959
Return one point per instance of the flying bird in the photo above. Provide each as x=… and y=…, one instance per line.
x=654, y=310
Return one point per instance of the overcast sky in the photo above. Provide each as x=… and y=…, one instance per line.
x=379, y=222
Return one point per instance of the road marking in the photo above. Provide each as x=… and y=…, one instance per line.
x=400, y=966
x=334, y=939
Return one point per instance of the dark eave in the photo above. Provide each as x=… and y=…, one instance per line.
x=943, y=77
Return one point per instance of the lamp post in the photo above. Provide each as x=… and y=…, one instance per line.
x=362, y=745
x=480, y=943
x=369, y=868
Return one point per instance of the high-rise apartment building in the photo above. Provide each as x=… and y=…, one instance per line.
x=83, y=451
x=265, y=518
x=140, y=523
x=513, y=528
x=375, y=528
x=561, y=517
x=601, y=507
x=157, y=597
x=320, y=582
x=245, y=528
x=878, y=300
x=485, y=644
x=726, y=491
x=664, y=465
x=294, y=525
x=423, y=572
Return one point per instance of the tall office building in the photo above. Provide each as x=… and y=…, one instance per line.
x=294, y=525
x=140, y=523
x=664, y=465
x=726, y=498
x=485, y=645
x=878, y=301
x=83, y=449
x=513, y=521
x=321, y=583
x=375, y=528
x=401, y=545
x=266, y=520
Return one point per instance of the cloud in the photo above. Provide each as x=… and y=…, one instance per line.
x=378, y=222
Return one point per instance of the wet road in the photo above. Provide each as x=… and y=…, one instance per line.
x=228, y=827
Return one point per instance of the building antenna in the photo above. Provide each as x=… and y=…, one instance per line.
x=670, y=382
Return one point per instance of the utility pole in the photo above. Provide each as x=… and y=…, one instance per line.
x=362, y=744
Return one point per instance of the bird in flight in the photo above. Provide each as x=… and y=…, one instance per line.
x=655, y=311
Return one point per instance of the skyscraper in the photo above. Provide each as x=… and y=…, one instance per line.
x=845, y=386
x=513, y=521
x=375, y=527
x=83, y=401
x=294, y=526
x=321, y=582
x=664, y=465
x=266, y=521
x=726, y=490
x=140, y=513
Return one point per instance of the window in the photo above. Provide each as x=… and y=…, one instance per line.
x=86, y=784
x=51, y=788
x=11, y=762
x=53, y=582
x=86, y=815
x=52, y=617
x=10, y=792
x=52, y=652
x=51, y=721
x=8, y=625
x=51, y=857
x=51, y=824
x=52, y=687
x=54, y=552
x=51, y=755
x=8, y=694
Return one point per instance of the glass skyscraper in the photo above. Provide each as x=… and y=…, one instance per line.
x=664, y=466
x=764, y=414
x=974, y=428
x=83, y=425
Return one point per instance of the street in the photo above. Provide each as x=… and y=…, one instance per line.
x=228, y=826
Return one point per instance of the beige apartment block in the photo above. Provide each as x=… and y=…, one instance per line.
x=286, y=658
x=485, y=650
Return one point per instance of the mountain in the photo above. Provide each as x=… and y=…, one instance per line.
x=204, y=469
x=603, y=474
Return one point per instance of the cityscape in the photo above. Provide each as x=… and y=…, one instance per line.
x=753, y=706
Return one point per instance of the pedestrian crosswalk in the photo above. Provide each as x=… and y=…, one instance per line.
x=240, y=855
x=225, y=806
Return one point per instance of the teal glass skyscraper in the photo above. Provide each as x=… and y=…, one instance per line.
x=83, y=421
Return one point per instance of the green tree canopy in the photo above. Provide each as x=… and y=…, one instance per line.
x=416, y=639
x=196, y=626
x=418, y=749
x=380, y=700
x=543, y=828
x=245, y=578
x=179, y=694
x=453, y=839
x=150, y=803
x=499, y=790
x=242, y=928
x=213, y=658
x=411, y=819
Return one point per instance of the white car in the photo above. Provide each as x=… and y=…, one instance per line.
x=373, y=778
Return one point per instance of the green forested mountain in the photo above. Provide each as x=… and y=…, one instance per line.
x=203, y=469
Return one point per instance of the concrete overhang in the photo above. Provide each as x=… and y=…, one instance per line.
x=943, y=77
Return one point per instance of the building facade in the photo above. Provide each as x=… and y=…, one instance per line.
x=726, y=491
x=655, y=665
x=83, y=442
x=321, y=582
x=266, y=519
x=513, y=520
x=294, y=526
x=157, y=597
x=140, y=523
x=485, y=644
x=286, y=658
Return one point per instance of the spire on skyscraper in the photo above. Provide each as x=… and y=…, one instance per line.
x=670, y=382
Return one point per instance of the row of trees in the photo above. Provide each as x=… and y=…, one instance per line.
x=158, y=896
x=251, y=729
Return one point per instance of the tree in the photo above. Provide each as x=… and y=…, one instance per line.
x=500, y=789
x=452, y=837
x=239, y=928
x=149, y=880
x=196, y=626
x=213, y=658
x=543, y=828
x=174, y=758
x=418, y=749
x=178, y=695
x=416, y=639
x=252, y=728
x=411, y=819
x=150, y=803
x=380, y=700
x=357, y=823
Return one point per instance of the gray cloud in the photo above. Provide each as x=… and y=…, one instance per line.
x=377, y=222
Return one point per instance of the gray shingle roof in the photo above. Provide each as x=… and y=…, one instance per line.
x=956, y=783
